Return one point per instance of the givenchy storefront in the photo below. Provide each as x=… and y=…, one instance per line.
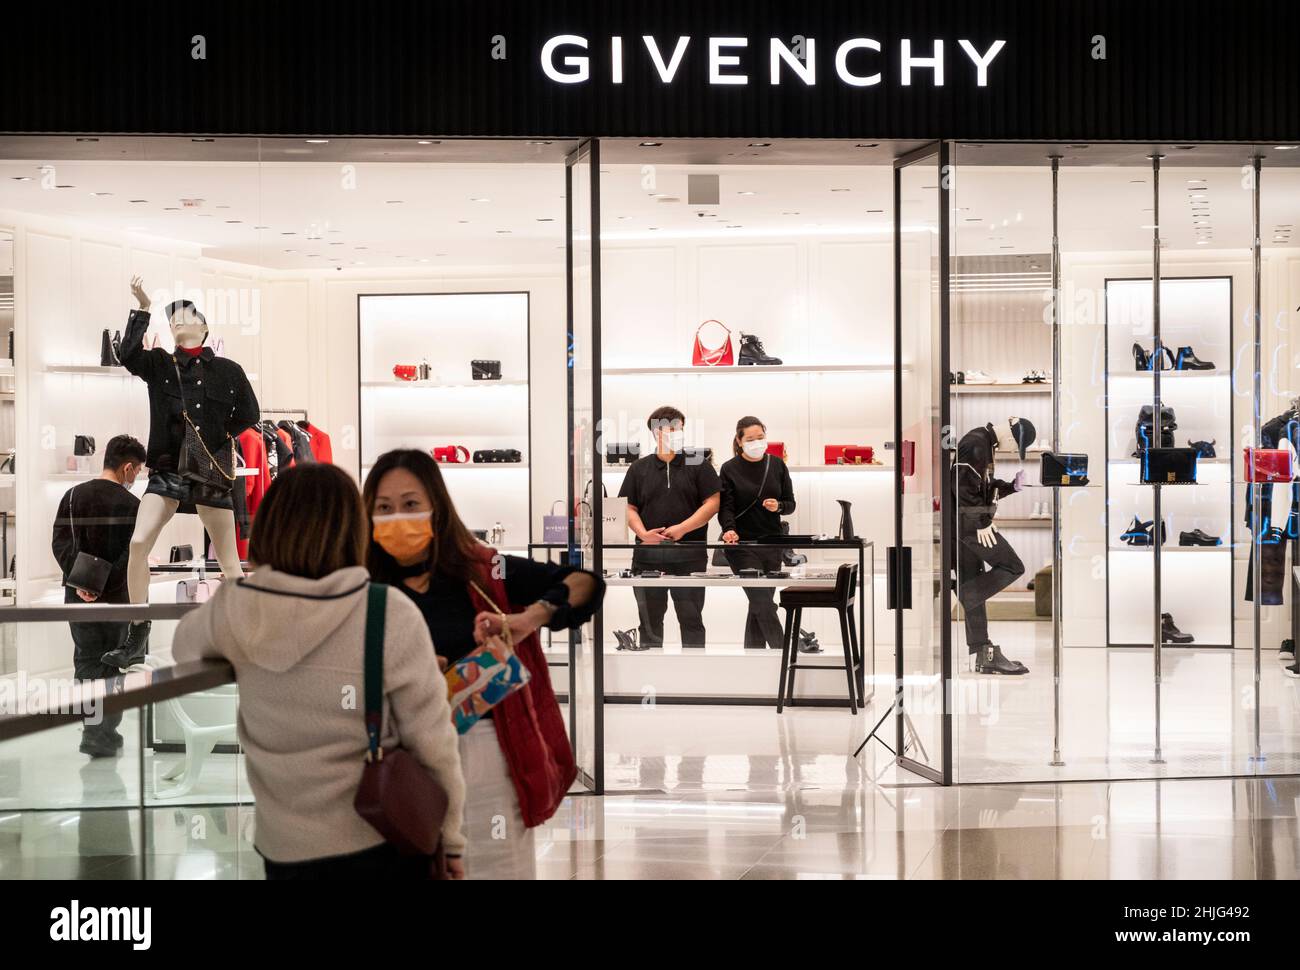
x=1009, y=286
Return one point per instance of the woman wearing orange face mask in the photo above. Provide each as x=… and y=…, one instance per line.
x=517, y=761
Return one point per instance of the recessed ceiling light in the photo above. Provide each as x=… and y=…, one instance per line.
x=427, y=142
x=138, y=201
x=1137, y=181
x=291, y=250
x=171, y=208
x=841, y=190
x=545, y=220
x=747, y=192
x=463, y=222
x=1148, y=227
x=1185, y=148
x=88, y=139
x=317, y=141
x=100, y=195
x=288, y=234
x=202, y=141
x=650, y=144
x=234, y=222
x=503, y=232
x=481, y=198
x=65, y=186
x=1285, y=148
x=876, y=144
x=336, y=244
x=21, y=178
x=394, y=202
x=759, y=144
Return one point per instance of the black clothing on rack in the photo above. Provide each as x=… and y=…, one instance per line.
x=301, y=441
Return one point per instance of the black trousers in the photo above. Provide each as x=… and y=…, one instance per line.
x=983, y=572
x=90, y=641
x=381, y=862
x=688, y=602
x=763, y=622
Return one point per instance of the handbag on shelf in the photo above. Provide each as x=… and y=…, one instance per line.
x=83, y=445
x=89, y=573
x=555, y=528
x=696, y=456
x=1144, y=431
x=1264, y=465
x=397, y=795
x=1169, y=466
x=622, y=452
x=498, y=456
x=485, y=370
x=719, y=356
x=777, y=450
x=181, y=553
x=849, y=455
x=197, y=463
x=450, y=454
x=193, y=591
x=481, y=680
x=1054, y=469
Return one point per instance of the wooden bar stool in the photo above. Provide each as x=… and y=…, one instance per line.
x=842, y=597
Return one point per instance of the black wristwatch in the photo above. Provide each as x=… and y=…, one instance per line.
x=557, y=598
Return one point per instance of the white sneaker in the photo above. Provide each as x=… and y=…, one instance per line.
x=978, y=377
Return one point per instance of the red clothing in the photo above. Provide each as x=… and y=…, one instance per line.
x=320, y=443
x=192, y=351
x=255, y=486
x=530, y=727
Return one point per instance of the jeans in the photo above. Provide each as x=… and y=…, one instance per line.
x=90, y=641
x=763, y=623
x=652, y=604
x=977, y=584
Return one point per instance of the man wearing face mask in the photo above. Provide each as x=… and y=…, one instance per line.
x=189, y=388
x=670, y=499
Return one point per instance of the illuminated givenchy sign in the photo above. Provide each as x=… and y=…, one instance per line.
x=857, y=61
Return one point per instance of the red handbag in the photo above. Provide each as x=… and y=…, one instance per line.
x=1267, y=464
x=777, y=449
x=850, y=454
x=406, y=372
x=720, y=356
x=451, y=455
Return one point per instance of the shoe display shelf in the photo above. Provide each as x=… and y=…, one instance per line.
x=1197, y=582
x=446, y=331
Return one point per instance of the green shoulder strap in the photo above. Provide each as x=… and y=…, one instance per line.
x=376, y=603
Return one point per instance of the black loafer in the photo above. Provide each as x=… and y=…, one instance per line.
x=1198, y=538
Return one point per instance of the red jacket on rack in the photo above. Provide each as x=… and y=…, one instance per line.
x=530, y=727
x=254, y=449
x=320, y=443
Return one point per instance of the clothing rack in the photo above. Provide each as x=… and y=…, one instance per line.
x=298, y=411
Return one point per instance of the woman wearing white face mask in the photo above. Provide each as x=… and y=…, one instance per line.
x=756, y=492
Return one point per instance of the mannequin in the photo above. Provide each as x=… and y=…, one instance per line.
x=219, y=400
x=986, y=562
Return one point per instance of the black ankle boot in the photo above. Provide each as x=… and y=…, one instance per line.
x=1186, y=359
x=752, y=352
x=1141, y=359
x=133, y=649
x=990, y=660
x=1170, y=633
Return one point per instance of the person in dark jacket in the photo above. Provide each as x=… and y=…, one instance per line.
x=756, y=492
x=986, y=563
x=189, y=386
x=517, y=760
x=98, y=517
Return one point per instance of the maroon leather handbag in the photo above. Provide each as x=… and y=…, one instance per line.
x=397, y=795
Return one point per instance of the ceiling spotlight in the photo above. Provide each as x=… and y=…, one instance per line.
x=481, y=199
x=545, y=220
x=88, y=139
x=21, y=178
x=876, y=144
x=427, y=142
x=202, y=141
x=137, y=201
x=841, y=190
x=759, y=144
x=394, y=202
x=234, y=222
x=65, y=186
x=650, y=144
x=1285, y=148
x=100, y=195
x=746, y=193
x=318, y=141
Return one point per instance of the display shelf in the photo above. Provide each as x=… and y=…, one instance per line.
x=1199, y=461
x=469, y=465
x=839, y=469
x=1000, y=388
x=1023, y=523
x=751, y=369
x=1168, y=549
x=439, y=385
x=88, y=369
x=1178, y=375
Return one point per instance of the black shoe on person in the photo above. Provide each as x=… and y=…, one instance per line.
x=97, y=746
x=990, y=660
x=1287, y=650
x=133, y=649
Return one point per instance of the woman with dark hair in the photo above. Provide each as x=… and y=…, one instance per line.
x=295, y=633
x=517, y=760
x=756, y=492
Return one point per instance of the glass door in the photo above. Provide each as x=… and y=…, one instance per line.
x=586, y=688
x=922, y=558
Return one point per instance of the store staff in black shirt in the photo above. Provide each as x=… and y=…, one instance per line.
x=756, y=492
x=671, y=497
x=98, y=517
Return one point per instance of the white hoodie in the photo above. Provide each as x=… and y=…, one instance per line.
x=297, y=646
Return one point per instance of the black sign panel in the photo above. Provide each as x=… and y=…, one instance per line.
x=1168, y=70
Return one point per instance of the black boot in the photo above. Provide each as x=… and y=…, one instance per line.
x=97, y=746
x=752, y=352
x=133, y=649
x=1170, y=633
x=990, y=660
x=1186, y=359
x=1141, y=359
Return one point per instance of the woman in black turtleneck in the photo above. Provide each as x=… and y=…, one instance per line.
x=756, y=492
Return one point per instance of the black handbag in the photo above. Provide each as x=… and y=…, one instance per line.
x=1169, y=466
x=485, y=370
x=197, y=463
x=498, y=456
x=695, y=456
x=89, y=573
x=83, y=444
x=1204, y=448
x=1145, y=429
x=181, y=553
x=1068, y=470
x=397, y=795
x=622, y=452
